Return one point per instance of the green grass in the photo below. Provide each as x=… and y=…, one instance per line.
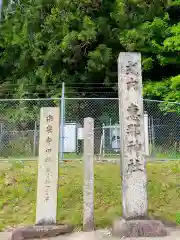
x=167, y=153
x=18, y=192
x=178, y=218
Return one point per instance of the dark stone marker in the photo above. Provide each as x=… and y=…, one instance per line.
x=138, y=228
x=37, y=231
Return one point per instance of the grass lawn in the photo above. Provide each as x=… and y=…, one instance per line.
x=18, y=192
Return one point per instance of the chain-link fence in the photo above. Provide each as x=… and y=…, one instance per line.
x=19, y=128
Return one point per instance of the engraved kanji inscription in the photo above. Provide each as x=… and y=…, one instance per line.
x=49, y=129
x=134, y=146
x=48, y=176
x=47, y=180
x=49, y=173
x=131, y=68
x=49, y=118
x=47, y=193
x=46, y=198
x=48, y=150
x=49, y=140
x=133, y=129
x=134, y=113
x=47, y=159
x=134, y=166
x=132, y=83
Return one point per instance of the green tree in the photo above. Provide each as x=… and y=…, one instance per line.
x=44, y=43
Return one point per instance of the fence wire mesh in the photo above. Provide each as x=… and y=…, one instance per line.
x=19, y=128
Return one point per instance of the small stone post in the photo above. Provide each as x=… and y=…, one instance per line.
x=133, y=162
x=48, y=166
x=88, y=219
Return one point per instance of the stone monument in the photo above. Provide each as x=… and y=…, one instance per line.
x=88, y=219
x=48, y=166
x=133, y=162
x=47, y=181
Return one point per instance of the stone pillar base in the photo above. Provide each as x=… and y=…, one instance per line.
x=43, y=231
x=138, y=228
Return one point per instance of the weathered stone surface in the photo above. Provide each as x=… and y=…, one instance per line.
x=138, y=228
x=32, y=232
x=48, y=166
x=133, y=163
x=88, y=219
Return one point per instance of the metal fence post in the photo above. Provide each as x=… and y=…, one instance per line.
x=62, y=122
x=146, y=134
x=35, y=136
x=153, y=138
